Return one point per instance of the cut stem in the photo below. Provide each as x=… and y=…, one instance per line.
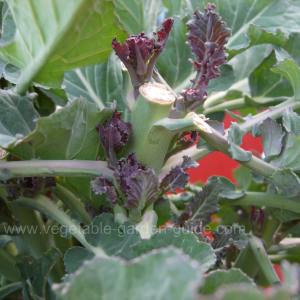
x=154, y=103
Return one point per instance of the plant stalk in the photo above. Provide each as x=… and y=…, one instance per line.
x=263, y=199
x=153, y=104
x=45, y=206
x=30, y=168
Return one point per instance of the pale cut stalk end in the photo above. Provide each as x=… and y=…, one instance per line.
x=157, y=93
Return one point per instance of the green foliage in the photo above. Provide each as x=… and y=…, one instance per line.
x=173, y=275
x=218, y=279
x=43, y=51
x=59, y=81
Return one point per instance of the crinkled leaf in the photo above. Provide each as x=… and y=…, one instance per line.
x=17, y=118
x=272, y=137
x=235, y=136
x=257, y=22
x=164, y=274
x=102, y=83
x=178, y=177
x=76, y=33
x=114, y=238
x=69, y=133
x=220, y=278
x=205, y=202
x=207, y=36
x=184, y=240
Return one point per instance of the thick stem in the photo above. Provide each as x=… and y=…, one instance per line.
x=272, y=112
x=217, y=141
x=254, y=260
x=264, y=199
x=53, y=168
x=154, y=103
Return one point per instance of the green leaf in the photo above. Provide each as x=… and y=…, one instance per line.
x=17, y=118
x=289, y=69
x=164, y=274
x=265, y=83
x=69, y=133
x=138, y=15
x=173, y=64
x=235, y=136
x=184, y=240
x=220, y=278
x=101, y=84
x=291, y=122
x=253, y=22
x=74, y=258
x=75, y=33
x=116, y=239
x=35, y=272
x=243, y=176
x=272, y=137
x=290, y=157
x=8, y=289
x=206, y=202
x=287, y=182
x=237, y=292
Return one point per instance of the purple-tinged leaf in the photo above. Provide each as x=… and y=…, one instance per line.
x=272, y=137
x=101, y=185
x=178, y=178
x=139, y=53
x=138, y=183
x=207, y=36
x=114, y=135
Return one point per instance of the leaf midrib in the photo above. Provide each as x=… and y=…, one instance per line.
x=36, y=65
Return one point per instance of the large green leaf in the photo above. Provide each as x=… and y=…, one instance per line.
x=257, y=22
x=138, y=15
x=165, y=274
x=173, y=63
x=289, y=69
x=265, y=83
x=114, y=238
x=181, y=239
x=54, y=36
x=17, y=118
x=101, y=84
x=220, y=278
x=67, y=134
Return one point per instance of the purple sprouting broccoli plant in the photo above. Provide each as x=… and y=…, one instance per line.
x=139, y=53
x=207, y=36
